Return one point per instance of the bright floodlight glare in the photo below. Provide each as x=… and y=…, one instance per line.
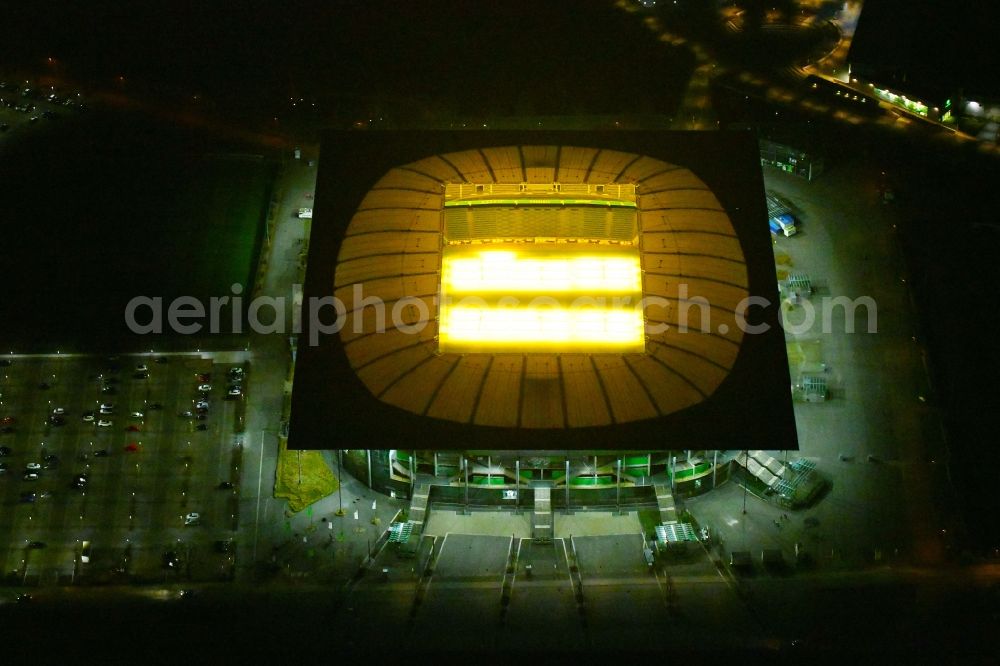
x=509, y=272
x=540, y=299
x=470, y=328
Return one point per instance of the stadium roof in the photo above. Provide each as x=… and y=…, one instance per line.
x=390, y=210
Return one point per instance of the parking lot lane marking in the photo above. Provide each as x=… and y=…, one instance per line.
x=260, y=478
x=569, y=571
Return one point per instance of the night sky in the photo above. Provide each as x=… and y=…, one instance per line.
x=938, y=44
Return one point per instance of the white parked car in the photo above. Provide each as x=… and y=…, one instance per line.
x=305, y=213
x=58, y=411
x=104, y=423
x=192, y=519
x=33, y=466
x=138, y=415
x=205, y=388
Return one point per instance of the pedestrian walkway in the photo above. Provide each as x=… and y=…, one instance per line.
x=483, y=523
x=596, y=523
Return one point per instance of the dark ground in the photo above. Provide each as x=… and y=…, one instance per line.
x=111, y=205
x=936, y=46
x=361, y=60
x=949, y=234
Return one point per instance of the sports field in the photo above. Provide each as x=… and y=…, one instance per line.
x=114, y=205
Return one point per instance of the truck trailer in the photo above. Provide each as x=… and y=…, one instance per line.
x=780, y=218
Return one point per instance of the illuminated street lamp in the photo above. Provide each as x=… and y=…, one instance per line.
x=340, y=482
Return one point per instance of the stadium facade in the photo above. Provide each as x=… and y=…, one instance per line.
x=590, y=313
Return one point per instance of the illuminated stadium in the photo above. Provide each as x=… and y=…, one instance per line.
x=528, y=310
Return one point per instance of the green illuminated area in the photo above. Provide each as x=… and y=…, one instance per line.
x=540, y=202
x=903, y=101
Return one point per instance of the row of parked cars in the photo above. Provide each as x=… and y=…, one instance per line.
x=18, y=93
x=101, y=417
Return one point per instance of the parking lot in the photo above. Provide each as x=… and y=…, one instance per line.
x=123, y=458
x=27, y=105
x=876, y=439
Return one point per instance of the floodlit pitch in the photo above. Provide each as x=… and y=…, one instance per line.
x=519, y=272
x=536, y=299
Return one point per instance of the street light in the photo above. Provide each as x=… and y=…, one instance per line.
x=340, y=482
x=745, y=457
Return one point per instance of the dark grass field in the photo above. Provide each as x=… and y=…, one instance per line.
x=112, y=205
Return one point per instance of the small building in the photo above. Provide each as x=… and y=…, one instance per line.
x=790, y=159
